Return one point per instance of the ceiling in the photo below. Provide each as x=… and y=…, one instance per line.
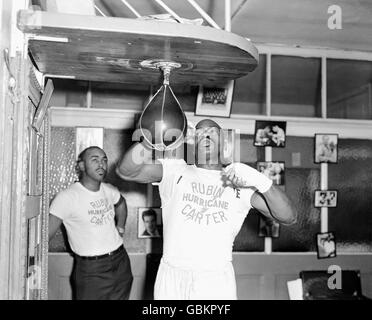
x=290, y=22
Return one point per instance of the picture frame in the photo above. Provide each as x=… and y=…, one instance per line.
x=215, y=101
x=325, y=198
x=326, y=245
x=35, y=163
x=88, y=137
x=275, y=170
x=326, y=148
x=149, y=222
x=270, y=134
x=268, y=228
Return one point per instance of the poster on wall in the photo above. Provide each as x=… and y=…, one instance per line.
x=326, y=245
x=326, y=147
x=325, y=198
x=270, y=134
x=275, y=170
x=149, y=223
x=215, y=101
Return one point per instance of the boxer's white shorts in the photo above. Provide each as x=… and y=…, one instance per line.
x=175, y=283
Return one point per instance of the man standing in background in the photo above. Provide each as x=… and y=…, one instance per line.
x=94, y=214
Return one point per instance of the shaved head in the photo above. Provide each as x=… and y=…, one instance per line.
x=207, y=123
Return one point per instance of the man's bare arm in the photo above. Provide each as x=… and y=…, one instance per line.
x=274, y=204
x=268, y=199
x=54, y=224
x=137, y=165
x=121, y=214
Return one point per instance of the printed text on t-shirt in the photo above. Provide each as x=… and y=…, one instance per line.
x=102, y=212
x=200, y=200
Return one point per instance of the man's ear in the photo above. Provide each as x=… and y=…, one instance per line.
x=81, y=166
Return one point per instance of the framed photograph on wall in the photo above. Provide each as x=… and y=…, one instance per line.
x=326, y=148
x=215, y=101
x=275, y=170
x=149, y=222
x=325, y=198
x=326, y=245
x=270, y=134
x=268, y=228
x=87, y=137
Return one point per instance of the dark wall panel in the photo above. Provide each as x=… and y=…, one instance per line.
x=351, y=220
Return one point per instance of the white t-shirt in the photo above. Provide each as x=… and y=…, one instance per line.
x=201, y=217
x=89, y=218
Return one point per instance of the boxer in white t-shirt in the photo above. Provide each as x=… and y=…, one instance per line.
x=94, y=215
x=203, y=206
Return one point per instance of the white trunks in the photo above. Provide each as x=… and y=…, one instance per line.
x=177, y=283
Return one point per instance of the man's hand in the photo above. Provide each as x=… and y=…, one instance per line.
x=269, y=200
x=244, y=176
x=121, y=231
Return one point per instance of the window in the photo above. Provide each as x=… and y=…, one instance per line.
x=349, y=94
x=295, y=86
x=250, y=91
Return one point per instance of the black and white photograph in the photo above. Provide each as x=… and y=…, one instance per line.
x=149, y=223
x=270, y=134
x=268, y=228
x=326, y=148
x=275, y=170
x=325, y=198
x=215, y=101
x=326, y=245
x=149, y=137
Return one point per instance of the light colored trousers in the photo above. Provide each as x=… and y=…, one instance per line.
x=175, y=283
